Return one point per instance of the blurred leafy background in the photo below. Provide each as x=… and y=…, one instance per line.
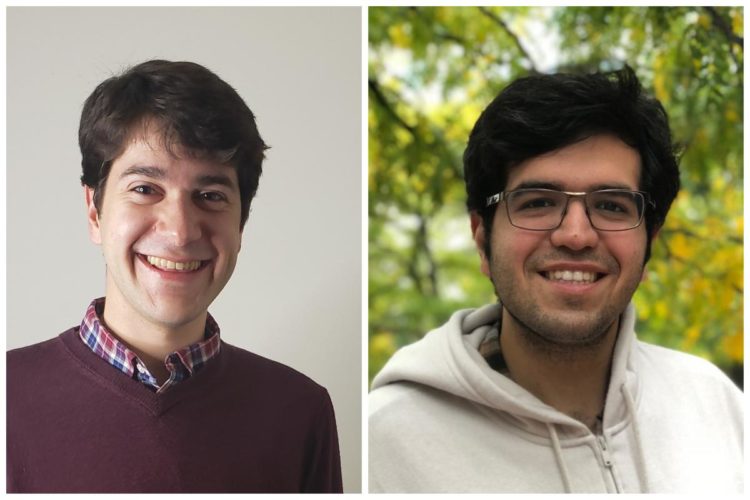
x=432, y=70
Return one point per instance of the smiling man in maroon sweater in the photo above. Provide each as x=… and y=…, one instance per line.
x=144, y=396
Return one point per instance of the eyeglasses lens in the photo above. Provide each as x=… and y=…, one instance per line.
x=608, y=210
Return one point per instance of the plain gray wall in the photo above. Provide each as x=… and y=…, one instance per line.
x=295, y=295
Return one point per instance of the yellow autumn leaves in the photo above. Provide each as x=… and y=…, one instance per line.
x=692, y=297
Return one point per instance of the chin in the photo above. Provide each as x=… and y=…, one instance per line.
x=574, y=335
x=564, y=330
x=175, y=316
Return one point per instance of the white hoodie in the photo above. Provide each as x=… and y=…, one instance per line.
x=442, y=420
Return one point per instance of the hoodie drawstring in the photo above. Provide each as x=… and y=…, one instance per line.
x=559, y=458
x=640, y=459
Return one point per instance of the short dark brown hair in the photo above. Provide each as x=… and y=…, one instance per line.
x=541, y=113
x=194, y=109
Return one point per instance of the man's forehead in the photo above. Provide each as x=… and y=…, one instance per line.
x=151, y=138
x=150, y=133
x=141, y=158
x=598, y=162
x=150, y=143
x=212, y=174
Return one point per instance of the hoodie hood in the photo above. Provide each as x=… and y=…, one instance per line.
x=448, y=359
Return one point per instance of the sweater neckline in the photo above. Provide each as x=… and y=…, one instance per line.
x=181, y=363
x=133, y=390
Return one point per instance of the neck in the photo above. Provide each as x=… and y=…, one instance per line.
x=572, y=380
x=151, y=342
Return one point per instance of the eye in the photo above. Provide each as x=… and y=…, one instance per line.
x=533, y=200
x=144, y=190
x=212, y=196
x=615, y=204
x=538, y=203
x=611, y=206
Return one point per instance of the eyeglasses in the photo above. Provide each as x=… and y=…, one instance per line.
x=544, y=209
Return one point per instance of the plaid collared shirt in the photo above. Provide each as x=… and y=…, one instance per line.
x=181, y=364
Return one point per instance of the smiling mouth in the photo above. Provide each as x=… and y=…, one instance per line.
x=173, y=266
x=575, y=277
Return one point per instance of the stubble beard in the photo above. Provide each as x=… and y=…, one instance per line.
x=556, y=337
x=566, y=332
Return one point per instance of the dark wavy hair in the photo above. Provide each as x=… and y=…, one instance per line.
x=542, y=113
x=194, y=109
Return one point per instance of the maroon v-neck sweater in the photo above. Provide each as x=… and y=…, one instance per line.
x=242, y=424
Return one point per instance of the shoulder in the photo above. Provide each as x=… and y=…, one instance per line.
x=39, y=370
x=390, y=407
x=389, y=398
x=398, y=415
x=670, y=361
x=681, y=370
x=406, y=408
x=268, y=376
x=30, y=357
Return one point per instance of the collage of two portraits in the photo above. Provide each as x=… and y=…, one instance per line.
x=374, y=249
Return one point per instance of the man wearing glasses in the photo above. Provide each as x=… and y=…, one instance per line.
x=569, y=178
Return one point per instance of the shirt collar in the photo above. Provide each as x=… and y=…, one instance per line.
x=490, y=349
x=181, y=364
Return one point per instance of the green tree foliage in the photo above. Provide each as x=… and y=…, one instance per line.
x=431, y=72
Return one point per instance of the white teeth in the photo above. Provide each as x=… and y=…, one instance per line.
x=169, y=265
x=574, y=276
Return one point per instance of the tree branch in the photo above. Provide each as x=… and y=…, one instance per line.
x=724, y=27
x=470, y=47
x=423, y=242
x=377, y=92
x=494, y=17
x=444, y=34
x=424, y=281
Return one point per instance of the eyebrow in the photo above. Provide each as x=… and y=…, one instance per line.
x=215, y=179
x=160, y=174
x=146, y=171
x=559, y=187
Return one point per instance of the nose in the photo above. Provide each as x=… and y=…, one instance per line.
x=575, y=231
x=179, y=221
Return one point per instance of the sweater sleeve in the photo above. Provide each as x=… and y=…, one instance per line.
x=324, y=471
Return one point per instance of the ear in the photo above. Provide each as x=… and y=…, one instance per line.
x=92, y=216
x=478, y=234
